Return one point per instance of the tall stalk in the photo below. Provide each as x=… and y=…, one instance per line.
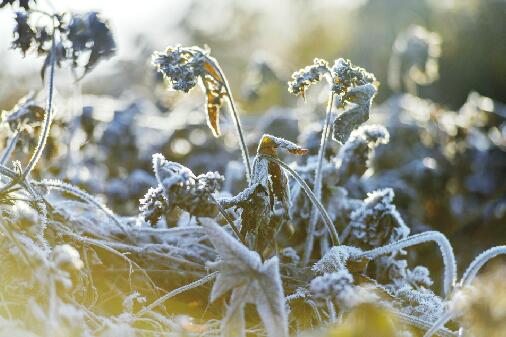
x=318, y=180
x=49, y=113
x=235, y=116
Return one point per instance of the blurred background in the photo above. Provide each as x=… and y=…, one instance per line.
x=290, y=33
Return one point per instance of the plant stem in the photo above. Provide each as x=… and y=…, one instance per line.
x=479, y=262
x=11, y=145
x=325, y=216
x=177, y=291
x=318, y=180
x=230, y=222
x=444, y=245
x=49, y=113
x=235, y=116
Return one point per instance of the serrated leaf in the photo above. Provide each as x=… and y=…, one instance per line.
x=250, y=280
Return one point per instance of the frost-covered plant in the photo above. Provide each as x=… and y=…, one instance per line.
x=179, y=187
x=250, y=280
x=414, y=60
x=59, y=243
x=184, y=67
x=347, y=84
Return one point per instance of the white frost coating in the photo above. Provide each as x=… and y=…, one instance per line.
x=444, y=245
x=479, y=262
x=335, y=259
x=250, y=280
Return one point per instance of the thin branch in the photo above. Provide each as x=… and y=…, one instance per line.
x=48, y=117
x=177, y=291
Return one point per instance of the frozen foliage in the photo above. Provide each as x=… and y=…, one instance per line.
x=377, y=222
x=250, y=280
x=179, y=187
x=270, y=242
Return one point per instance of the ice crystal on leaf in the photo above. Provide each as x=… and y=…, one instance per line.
x=251, y=281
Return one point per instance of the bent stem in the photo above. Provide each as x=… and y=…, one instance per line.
x=479, y=262
x=235, y=116
x=75, y=191
x=325, y=216
x=318, y=180
x=444, y=245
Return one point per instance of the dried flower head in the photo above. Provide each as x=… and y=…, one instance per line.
x=184, y=66
x=181, y=66
x=23, y=33
x=22, y=3
x=179, y=187
x=307, y=76
x=345, y=76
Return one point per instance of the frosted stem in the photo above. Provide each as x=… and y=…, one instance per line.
x=479, y=262
x=325, y=216
x=177, y=291
x=235, y=116
x=444, y=245
x=85, y=197
x=318, y=181
x=48, y=117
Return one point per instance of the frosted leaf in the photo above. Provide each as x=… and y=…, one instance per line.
x=250, y=280
x=377, y=222
x=353, y=156
x=179, y=187
x=335, y=259
x=351, y=118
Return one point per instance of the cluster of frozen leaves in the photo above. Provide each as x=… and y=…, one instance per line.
x=179, y=187
x=81, y=39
